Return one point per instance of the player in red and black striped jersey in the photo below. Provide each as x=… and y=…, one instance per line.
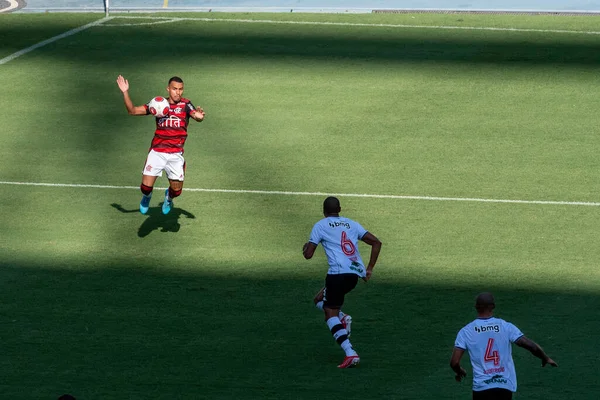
x=166, y=149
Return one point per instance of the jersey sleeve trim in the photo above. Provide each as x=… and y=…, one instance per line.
x=519, y=337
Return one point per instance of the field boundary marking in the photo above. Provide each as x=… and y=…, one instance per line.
x=53, y=39
x=12, y=5
x=321, y=194
x=353, y=24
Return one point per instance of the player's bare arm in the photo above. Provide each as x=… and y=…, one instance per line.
x=375, y=244
x=455, y=364
x=131, y=109
x=308, y=250
x=198, y=114
x=536, y=350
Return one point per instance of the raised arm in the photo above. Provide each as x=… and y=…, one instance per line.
x=375, y=244
x=536, y=350
x=131, y=109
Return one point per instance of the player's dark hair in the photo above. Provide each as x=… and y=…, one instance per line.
x=175, y=79
x=331, y=205
x=485, y=302
x=66, y=397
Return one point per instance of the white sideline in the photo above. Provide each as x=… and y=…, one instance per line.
x=321, y=194
x=52, y=39
x=403, y=26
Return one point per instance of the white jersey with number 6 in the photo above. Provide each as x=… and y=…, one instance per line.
x=489, y=343
x=340, y=237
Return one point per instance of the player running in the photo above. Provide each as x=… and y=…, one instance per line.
x=166, y=149
x=340, y=236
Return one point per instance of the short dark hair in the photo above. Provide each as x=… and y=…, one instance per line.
x=66, y=397
x=331, y=205
x=485, y=302
x=175, y=79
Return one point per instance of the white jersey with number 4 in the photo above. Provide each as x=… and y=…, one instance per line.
x=339, y=237
x=489, y=343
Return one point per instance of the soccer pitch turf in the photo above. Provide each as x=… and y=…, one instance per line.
x=467, y=143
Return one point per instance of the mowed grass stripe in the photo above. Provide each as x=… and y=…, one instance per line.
x=292, y=193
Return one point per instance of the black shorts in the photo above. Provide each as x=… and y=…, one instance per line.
x=493, y=394
x=336, y=287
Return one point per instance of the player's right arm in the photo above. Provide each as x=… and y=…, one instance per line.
x=536, y=350
x=375, y=244
x=131, y=109
x=460, y=372
x=308, y=250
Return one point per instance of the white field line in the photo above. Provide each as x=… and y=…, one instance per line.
x=320, y=194
x=52, y=39
x=166, y=21
x=12, y=4
x=404, y=26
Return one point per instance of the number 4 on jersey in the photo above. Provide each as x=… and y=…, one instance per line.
x=491, y=355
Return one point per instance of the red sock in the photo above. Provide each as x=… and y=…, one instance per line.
x=174, y=193
x=147, y=190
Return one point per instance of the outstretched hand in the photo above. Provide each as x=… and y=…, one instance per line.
x=123, y=83
x=199, y=114
x=549, y=361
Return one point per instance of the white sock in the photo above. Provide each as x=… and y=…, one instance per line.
x=333, y=321
x=319, y=305
x=347, y=346
x=335, y=326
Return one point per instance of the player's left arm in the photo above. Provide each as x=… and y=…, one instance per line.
x=198, y=114
x=535, y=349
x=375, y=244
x=460, y=372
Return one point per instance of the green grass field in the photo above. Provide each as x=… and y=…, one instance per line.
x=214, y=301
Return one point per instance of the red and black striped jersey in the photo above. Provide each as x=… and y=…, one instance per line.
x=171, y=130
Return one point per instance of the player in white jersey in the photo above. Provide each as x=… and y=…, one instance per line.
x=489, y=342
x=339, y=237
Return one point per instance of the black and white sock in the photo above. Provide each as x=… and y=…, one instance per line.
x=340, y=335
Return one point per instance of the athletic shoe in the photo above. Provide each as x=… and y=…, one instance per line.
x=347, y=323
x=350, y=362
x=145, y=203
x=166, y=207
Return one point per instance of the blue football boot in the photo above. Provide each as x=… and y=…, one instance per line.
x=168, y=204
x=145, y=203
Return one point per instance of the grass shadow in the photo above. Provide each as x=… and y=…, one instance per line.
x=156, y=220
x=136, y=332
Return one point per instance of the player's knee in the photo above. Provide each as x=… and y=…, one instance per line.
x=146, y=189
x=174, y=193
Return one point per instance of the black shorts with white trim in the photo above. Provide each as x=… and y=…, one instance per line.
x=336, y=288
